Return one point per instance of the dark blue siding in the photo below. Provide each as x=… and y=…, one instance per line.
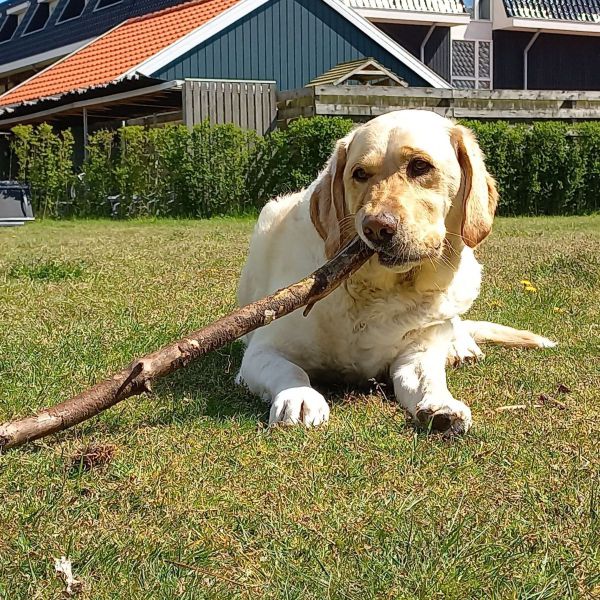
x=289, y=41
x=556, y=62
x=437, y=49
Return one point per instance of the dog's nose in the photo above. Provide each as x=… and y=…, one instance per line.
x=379, y=228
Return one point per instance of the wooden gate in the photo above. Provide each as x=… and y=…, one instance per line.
x=248, y=104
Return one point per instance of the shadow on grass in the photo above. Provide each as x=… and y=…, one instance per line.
x=207, y=388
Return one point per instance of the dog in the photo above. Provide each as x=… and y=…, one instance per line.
x=414, y=186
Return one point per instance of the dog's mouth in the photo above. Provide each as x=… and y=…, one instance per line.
x=405, y=259
x=398, y=260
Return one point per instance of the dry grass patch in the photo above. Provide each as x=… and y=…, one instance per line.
x=200, y=500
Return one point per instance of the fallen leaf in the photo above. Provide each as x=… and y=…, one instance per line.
x=563, y=389
x=92, y=456
x=63, y=567
x=549, y=401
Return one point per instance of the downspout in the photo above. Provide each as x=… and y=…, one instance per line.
x=534, y=37
x=85, y=133
x=424, y=42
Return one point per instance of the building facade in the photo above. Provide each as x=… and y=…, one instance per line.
x=475, y=44
x=497, y=44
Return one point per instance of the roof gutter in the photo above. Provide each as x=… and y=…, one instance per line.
x=174, y=84
x=532, y=41
x=425, y=40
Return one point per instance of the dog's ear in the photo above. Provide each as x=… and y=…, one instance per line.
x=328, y=202
x=478, y=189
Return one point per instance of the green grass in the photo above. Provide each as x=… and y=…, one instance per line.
x=197, y=498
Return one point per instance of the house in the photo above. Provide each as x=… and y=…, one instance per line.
x=57, y=54
x=141, y=64
x=497, y=44
x=36, y=33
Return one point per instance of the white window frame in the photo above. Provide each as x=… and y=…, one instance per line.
x=17, y=11
x=4, y=21
x=51, y=6
x=59, y=21
x=477, y=78
x=476, y=16
x=98, y=8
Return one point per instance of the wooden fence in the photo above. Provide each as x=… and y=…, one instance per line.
x=365, y=102
x=248, y=104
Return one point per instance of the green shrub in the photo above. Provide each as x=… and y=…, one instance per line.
x=168, y=171
x=290, y=159
x=98, y=179
x=544, y=168
x=45, y=161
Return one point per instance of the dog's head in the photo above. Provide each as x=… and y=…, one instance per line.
x=406, y=182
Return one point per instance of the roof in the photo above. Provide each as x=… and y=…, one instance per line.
x=563, y=10
x=133, y=96
x=118, y=51
x=245, y=7
x=433, y=6
x=146, y=44
x=61, y=37
x=362, y=68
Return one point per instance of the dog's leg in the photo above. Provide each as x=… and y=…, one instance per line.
x=285, y=385
x=484, y=331
x=419, y=376
x=464, y=348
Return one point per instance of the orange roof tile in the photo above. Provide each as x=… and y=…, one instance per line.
x=116, y=52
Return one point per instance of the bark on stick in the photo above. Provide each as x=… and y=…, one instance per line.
x=138, y=376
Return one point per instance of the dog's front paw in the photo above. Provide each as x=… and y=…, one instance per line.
x=444, y=414
x=299, y=405
x=464, y=349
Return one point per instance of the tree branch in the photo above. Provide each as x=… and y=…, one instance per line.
x=137, y=377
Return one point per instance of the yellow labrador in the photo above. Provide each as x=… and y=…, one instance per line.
x=414, y=186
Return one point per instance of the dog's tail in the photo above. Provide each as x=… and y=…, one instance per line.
x=484, y=331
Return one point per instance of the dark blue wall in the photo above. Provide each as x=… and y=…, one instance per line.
x=437, y=48
x=556, y=62
x=289, y=41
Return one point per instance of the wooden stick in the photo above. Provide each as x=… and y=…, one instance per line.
x=137, y=377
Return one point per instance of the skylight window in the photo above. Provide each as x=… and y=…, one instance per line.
x=11, y=22
x=106, y=3
x=72, y=10
x=14, y=16
x=40, y=16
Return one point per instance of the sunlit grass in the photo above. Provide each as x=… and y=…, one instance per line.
x=198, y=499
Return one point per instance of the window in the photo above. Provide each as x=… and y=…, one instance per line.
x=40, y=16
x=484, y=10
x=14, y=16
x=11, y=22
x=472, y=64
x=106, y=3
x=72, y=10
x=480, y=10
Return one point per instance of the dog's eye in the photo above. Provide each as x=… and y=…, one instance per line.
x=360, y=175
x=418, y=167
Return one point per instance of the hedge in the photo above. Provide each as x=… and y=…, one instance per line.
x=545, y=168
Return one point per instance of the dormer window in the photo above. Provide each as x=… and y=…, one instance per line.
x=106, y=3
x=8, y=28
x=40, y=16
x=72, y=10
x=480, y=10
x=14, y=16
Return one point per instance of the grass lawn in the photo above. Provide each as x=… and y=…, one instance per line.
x=197, y=498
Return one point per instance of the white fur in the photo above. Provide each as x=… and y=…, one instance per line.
x=372, y=326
